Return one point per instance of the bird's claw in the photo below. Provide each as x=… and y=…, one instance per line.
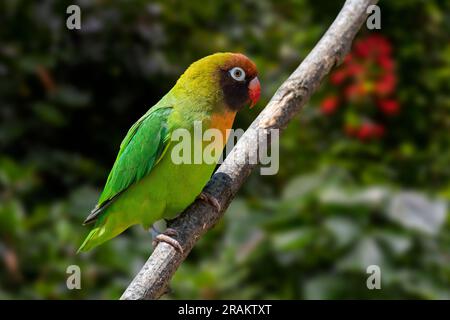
x=167, y=238
x=210, y=199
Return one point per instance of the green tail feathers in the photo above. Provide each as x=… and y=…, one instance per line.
x=105, y=228
x=90, y=242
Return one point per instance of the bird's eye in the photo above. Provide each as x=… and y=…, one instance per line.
x=237, y=74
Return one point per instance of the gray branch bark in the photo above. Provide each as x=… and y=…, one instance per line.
x=153, y=279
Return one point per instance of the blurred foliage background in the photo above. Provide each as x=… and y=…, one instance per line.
x=364, y=169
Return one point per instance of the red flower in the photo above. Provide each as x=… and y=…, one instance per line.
x=386, y=63
x=365, y=131
x=374, y=45
x=329, y=105
x=355, y=69
x=370, y=130
x=338, y=77
x=367, y=75
x=389, y=107
x=362, y=48
x=381, y=45
x=386, y=84
x=354, y=91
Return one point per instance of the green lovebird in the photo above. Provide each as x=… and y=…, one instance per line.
x=145, y=184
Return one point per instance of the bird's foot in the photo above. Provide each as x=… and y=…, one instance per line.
x=167, y=238
x=210, y=199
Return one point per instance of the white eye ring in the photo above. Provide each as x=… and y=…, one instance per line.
x=237, y=74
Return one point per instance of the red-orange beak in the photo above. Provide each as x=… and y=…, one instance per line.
x=254, y=91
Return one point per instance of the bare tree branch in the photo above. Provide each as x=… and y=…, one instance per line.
x=153, y=279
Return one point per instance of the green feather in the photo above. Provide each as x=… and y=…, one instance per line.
x=139, y=152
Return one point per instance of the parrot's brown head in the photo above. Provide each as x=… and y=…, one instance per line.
x=230, y=78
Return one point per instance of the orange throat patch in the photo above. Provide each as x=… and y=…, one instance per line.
x=223, y=122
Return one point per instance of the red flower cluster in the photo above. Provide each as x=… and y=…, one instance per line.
x=389, y=106
x=329, y=105
x=367, y=74
x=366, y=131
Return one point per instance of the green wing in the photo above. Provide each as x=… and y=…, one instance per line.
x=139, y=152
